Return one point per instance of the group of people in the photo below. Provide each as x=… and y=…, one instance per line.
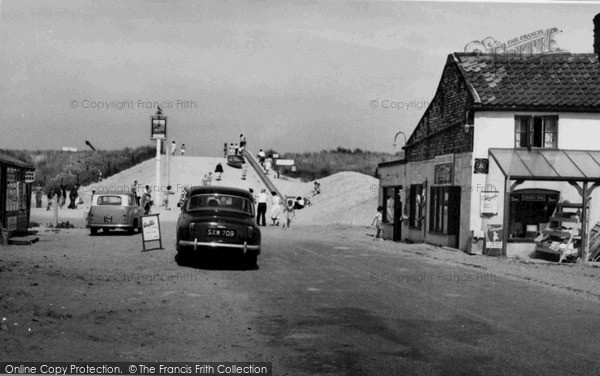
x=173, y=148
x=235, y=149
x=279, y=209
x=60, y=195
x=145, y=200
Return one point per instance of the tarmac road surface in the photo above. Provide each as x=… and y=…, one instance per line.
x=324, y=301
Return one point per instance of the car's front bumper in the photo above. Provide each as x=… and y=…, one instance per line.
x=109, y=225
x=196, y=244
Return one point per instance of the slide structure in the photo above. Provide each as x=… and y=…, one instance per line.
x=261, y=173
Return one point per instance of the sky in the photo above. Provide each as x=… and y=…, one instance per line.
x=296, y=76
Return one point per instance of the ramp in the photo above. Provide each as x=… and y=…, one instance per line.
x=259, y=171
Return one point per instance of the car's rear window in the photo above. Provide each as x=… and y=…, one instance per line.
x=218, y=201
x=109, y=200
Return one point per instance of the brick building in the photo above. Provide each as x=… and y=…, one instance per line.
x=505, y=147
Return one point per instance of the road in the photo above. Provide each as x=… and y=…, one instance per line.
x=324, y=301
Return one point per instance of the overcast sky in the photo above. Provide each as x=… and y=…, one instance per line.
x=294, y=76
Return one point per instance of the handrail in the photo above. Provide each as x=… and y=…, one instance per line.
x=259, y=170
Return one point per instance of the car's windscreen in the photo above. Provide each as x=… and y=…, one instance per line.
x=218, y=201
x=109, y=200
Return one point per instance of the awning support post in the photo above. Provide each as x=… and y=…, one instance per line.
x=584, y=224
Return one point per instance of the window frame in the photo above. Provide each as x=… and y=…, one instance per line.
x=529, y=134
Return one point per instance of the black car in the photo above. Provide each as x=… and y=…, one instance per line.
x=219, y=219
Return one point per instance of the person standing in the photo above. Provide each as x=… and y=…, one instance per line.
x=146, y=200
x=38, y=196
x=225, y=150
x=268, y=165
x=289, y=215
x=261, y=210
x=173, y=148
x=378, y=222
x=72, y=197
x=167, y=193
x=275, y=209
x=242, y=141
x=50, y=195
x=62, y=196
x=219, y=171
x=182, y=149
x=134, y=189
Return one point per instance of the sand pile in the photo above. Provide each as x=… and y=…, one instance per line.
x=346, y=197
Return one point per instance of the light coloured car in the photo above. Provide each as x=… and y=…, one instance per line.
x=111, y=211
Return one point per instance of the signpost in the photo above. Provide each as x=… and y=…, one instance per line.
x=151, y=231
x=158, y=132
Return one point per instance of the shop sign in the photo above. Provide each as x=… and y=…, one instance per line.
x=494, y=237
x=29, y=176
x=443, y=169
x=481, y=166
x=158, y=128
x=488, y=203
x=151, y=230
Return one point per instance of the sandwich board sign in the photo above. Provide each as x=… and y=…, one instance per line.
x=494, y=238
x=151, y=231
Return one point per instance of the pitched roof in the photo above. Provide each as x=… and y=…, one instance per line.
x=557, y=81
x=14, y=162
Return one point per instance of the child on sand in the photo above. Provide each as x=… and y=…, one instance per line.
x=377, y=221
x=289, y=215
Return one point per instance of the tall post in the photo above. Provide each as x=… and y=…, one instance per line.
x=158, y=132
x=168, y=153
x=584, y=224
x=158, y=142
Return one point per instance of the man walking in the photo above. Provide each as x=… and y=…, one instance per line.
x=173, y=148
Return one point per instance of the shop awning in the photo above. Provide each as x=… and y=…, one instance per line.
x=548, y=164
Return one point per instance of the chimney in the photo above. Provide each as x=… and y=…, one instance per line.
x=597, y=34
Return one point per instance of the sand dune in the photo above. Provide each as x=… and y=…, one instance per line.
x=346, y=197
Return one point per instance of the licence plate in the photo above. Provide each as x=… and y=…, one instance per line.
x=222, y=232
x=108, y=218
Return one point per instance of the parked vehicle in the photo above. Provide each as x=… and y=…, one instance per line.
x=111, y=211
x=220, y=219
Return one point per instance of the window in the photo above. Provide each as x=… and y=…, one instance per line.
x=438, y=210
x=417, y=205
x=16, y=190
x=109, y=200
x=218, y=201
x=444, y=209
x=536, y=131
x=530, y=211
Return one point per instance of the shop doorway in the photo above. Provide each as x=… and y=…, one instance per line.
x=393, y=210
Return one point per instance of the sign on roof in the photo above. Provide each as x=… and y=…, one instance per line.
x=537, y=42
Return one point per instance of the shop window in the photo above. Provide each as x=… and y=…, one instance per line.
x=417, y=205
x=14, y=190
x=530, y=211
x=444, y=210
x=536, y=131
